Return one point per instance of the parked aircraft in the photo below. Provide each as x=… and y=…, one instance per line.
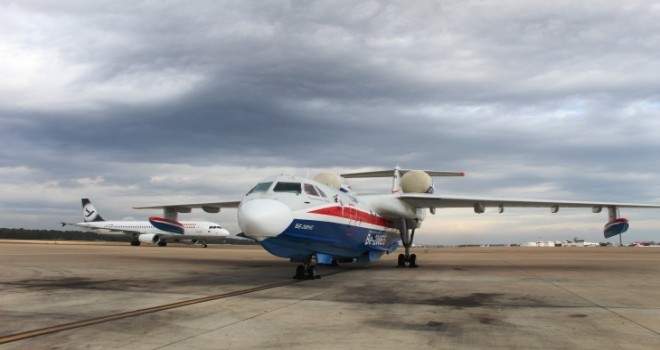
x=322, y=221
x=157, y=230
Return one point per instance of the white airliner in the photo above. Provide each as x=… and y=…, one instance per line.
x=156, y=230
x=321, y=221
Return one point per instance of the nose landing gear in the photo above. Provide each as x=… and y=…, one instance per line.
x=307, y=271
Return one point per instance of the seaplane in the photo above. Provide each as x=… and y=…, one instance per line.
x=321, y=220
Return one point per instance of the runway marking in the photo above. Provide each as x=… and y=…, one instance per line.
x=127, y=314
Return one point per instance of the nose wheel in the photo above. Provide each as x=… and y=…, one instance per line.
x=307, y=271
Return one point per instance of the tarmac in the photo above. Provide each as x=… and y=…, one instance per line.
x=108, y=296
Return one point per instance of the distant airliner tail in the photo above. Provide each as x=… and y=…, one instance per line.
x=89, y=212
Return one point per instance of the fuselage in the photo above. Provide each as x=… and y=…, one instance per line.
x=295, y=217
x=191, y=228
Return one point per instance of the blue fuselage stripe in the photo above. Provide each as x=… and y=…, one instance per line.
x=306, y=237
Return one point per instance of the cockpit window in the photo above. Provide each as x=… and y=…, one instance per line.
x=313, y=190
x=261, y=187
x=292, y=187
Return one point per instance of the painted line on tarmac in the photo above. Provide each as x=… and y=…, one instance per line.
x=154, y=309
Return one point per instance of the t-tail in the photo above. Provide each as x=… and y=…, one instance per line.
x=407, y=180
x=89, y=212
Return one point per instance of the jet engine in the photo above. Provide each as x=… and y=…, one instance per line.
x=331, y=179
x=416, y=181
x=149, y=238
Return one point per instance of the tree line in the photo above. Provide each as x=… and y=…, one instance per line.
x=55, y=235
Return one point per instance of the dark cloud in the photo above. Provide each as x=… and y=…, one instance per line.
x=551, y=100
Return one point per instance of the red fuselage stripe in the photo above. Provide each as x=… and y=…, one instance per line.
x=164, y=220
x=353, y=213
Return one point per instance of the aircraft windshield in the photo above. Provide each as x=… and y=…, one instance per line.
x=293, y=187
x=261, y=187
x=313, y=190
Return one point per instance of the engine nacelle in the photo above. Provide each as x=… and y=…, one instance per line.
x=416, y=181
x=149, y=238
x=330, y=179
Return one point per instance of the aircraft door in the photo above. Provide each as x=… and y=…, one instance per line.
x=353, y=215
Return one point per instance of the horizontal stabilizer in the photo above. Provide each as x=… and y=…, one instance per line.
x=390, y=173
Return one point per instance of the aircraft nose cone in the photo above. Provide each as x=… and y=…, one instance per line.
x=263, y=218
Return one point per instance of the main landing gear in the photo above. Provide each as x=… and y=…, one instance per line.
x=135, y=243
x=409, y=261
x=307, y=271
x=407, y=236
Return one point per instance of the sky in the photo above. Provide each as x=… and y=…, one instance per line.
x=161, y=102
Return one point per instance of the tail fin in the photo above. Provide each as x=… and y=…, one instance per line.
x=89, y=212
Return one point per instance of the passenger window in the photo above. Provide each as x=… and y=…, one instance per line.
x=292, y=187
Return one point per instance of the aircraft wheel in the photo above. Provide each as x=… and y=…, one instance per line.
x=300, y=272
x=204, y=245
x=135, y=243
x=402, y=261
x=311, y=273
x=413, y=260
x=162, y=244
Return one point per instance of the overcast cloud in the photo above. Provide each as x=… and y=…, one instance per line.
x=143, y=102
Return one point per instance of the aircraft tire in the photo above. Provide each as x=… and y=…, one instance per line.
x=311, y=272
x=300, y=272
x=413, y=260
x=402, y=261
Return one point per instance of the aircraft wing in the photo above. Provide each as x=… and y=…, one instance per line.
x=423, y=200
x=213, y=207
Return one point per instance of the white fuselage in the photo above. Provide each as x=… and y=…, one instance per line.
x=199, y=229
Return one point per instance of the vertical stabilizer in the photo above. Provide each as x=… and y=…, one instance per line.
x=89, y=212
x=396, y=180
